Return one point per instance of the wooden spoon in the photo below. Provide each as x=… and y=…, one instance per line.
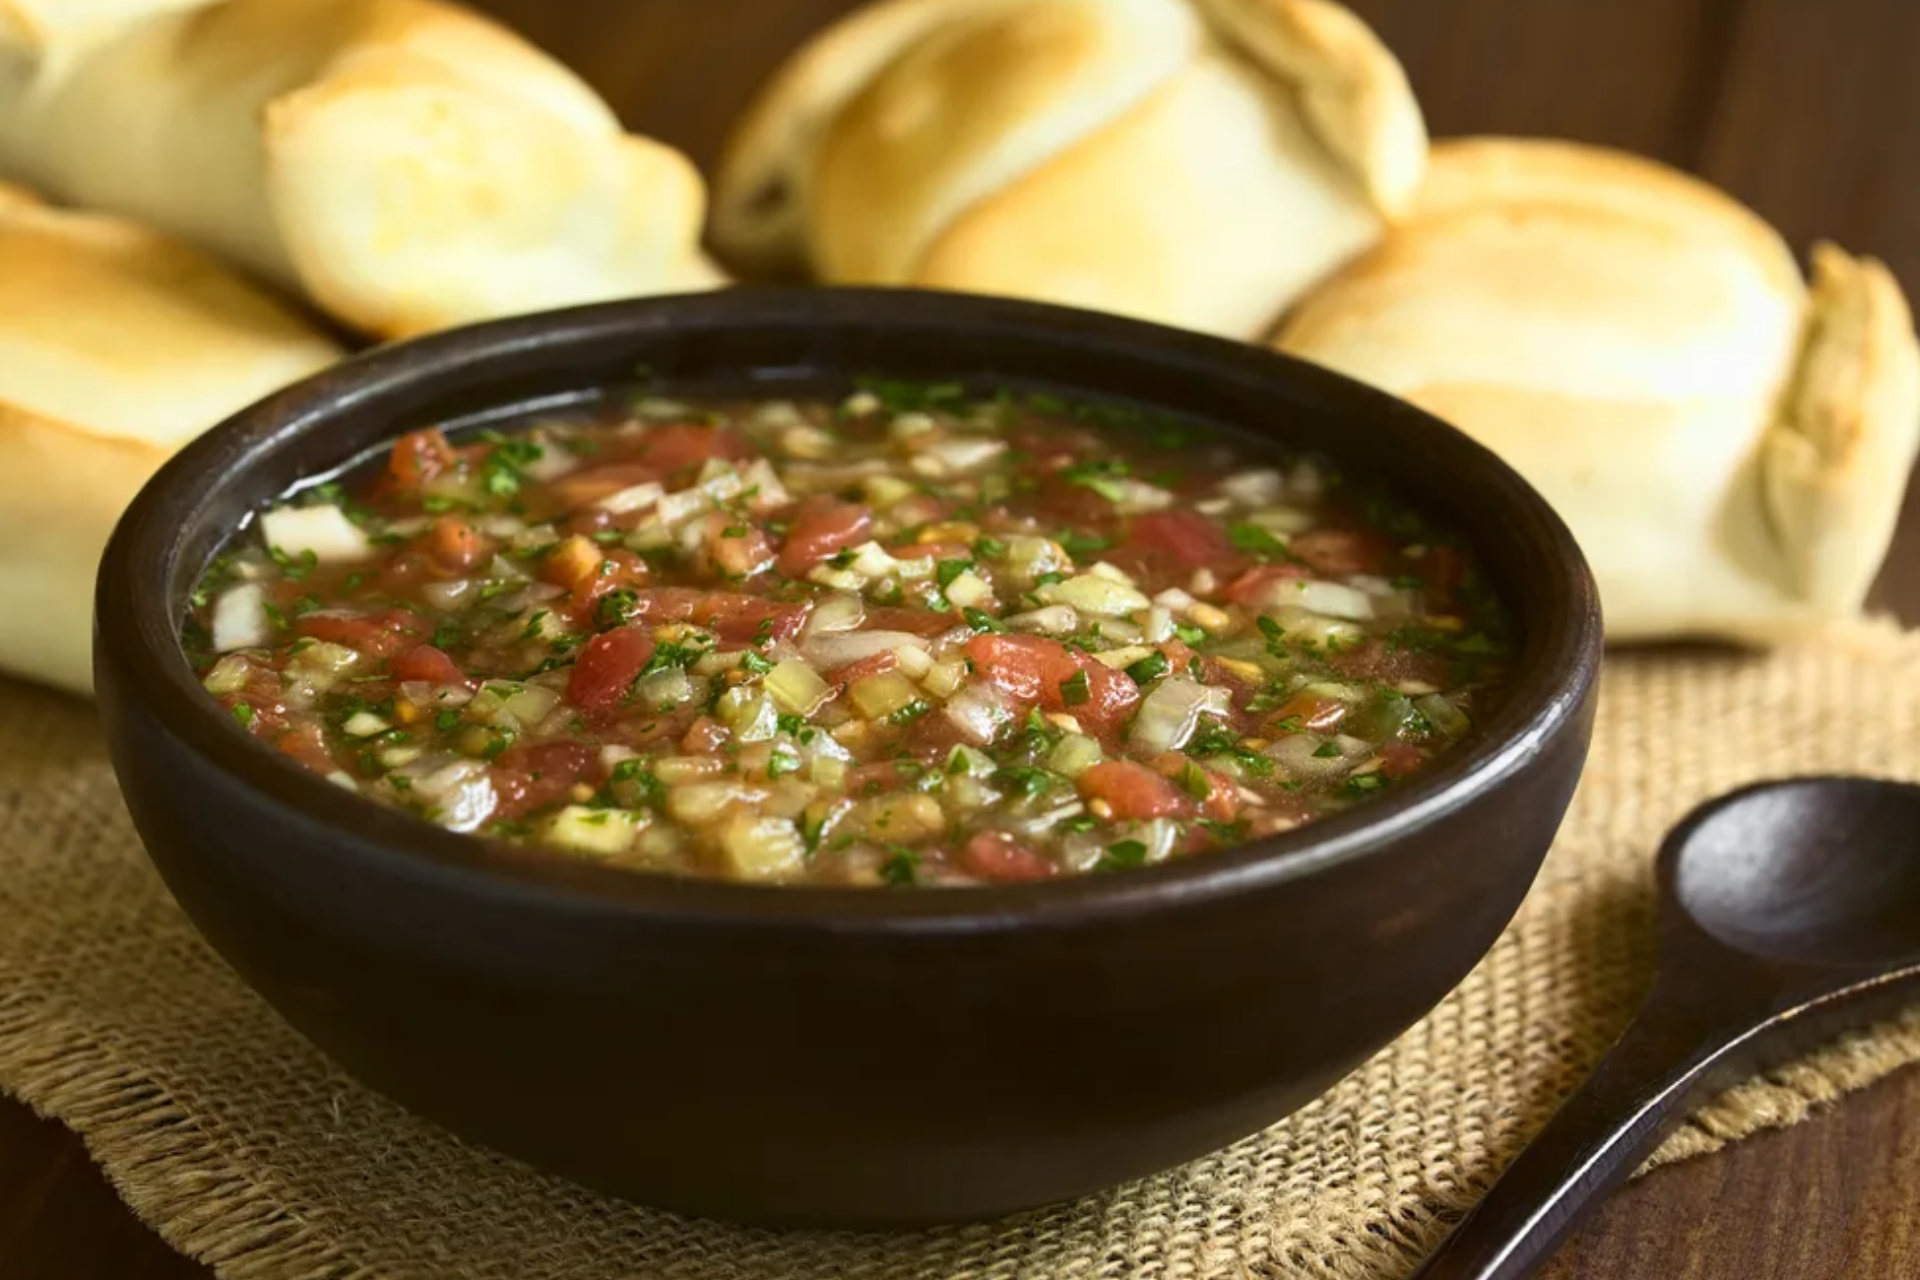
x=1789, y=911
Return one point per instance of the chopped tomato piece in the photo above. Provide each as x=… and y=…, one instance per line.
x=1257, y=585
x=531, y=777
x=1033, y=669
x=1177, y=539
x=607, y=667
x=375, y=635
x=1311, y=712
x=822, y=526
x=417, y=458
x=738, y=549
x=874, y=665
x=457, y=546
x=1338, y=552
x=919, y=622
x=591, y=484
x=704, y=737
x=675, y=445
x=999, y=857
x=428, y=664
x=1132, y=790
x=1400, y=759
x=305, y=744
x=744, y=619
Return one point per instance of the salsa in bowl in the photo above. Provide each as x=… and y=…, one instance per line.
x=785, y=987
x=911, y=637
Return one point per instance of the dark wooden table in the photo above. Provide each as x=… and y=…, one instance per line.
x=1807, y=109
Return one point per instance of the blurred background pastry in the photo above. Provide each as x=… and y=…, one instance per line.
x=1196, y=162
x=117, y=346
x=406, y=164
x=1729, y=442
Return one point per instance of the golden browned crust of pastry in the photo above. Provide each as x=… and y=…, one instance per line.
x=117, y=345
x=406, y=163
x=1044, y=148
x=1729, y=446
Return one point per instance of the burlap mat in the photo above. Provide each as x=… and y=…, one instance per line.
x=246, y=1149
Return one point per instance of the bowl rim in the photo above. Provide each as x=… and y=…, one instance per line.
x=137, y=650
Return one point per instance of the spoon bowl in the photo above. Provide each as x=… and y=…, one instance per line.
x=1790, y=911
x=1817, y=871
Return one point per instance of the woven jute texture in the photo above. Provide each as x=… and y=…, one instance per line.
x=245, y=1148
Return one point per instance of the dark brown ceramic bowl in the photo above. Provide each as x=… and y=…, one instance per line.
x=822, y=1056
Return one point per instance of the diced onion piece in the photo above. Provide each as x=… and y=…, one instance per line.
x=612, y=755
x=761, y=484
x=827, y=771
x=603, y=833
x=364, y=724
x=1158, y=628
x=969, y=590
x=879, y=696
x=1329, y=599
x=839, y=579
x=398, y=757
x=636, y=497
x=675, y=508
x=1054, y=620
x=1284, y=521
x=1074, y=754
x=1159, y=835
x=674, y=770
x=1254, y=488
x=1443, y=715
x=806, y=442
x=1095, y=593
x=1302, y=755
x=753, y=718
x=914, y=660
x=671, y=686
x=908, y=427
x=762, y=848
x=979, y=712
x=958, y=455
x=229, y=675
x=964, y=761
x=1120, y=659
x=795, y=687
x=459, y=789
x=703, y=802
x=343, y=780
x=552, y=463
x=323, y=531
x=1175, y=599
x=901, y=818
x=945, y=676
x=447, y=596
x=882, y=492
x=1029, y=556
x=1138, y=495
x=1169, y=715
x=240, y=618
x=841, y=611
x=832, y=651
x=1303, y=624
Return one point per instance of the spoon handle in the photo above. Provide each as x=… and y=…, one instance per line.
x=1594, y=1142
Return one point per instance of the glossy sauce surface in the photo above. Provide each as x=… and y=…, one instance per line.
x=910, y=638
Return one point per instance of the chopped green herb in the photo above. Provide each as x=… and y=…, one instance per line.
x=989, y=548
x=1125, y=853
x=945, y=571
x=616, y=609
x=755, y=663
x=1255, y=539
x=1326, y=751
x=1103, y=475
x=902, y=868
x=243, y=713
x=1150, y=668
x=1075, y=689
x=982, y=623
